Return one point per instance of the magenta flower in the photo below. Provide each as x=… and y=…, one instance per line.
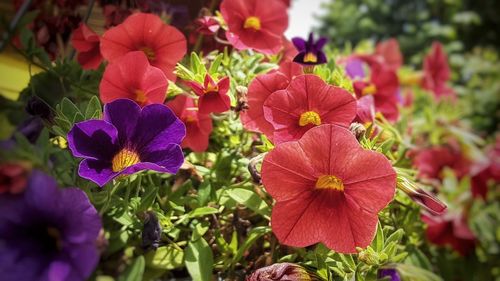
x=127, y=141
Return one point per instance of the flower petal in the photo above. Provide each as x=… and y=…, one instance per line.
x=93, y=139
x=97, y=171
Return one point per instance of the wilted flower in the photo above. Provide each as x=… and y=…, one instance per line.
x=162, y=44
x=151, y=231
x=281, y=272
x=255, y=24
x=86, y=42
x=48, y=233
x=213, y=95
x=132, y=77
x=437, y=72
x=310, y=51
x=128, y=140
x=198, y=126
x=307, y=102
x=325, y=181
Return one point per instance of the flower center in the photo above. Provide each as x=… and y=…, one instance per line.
x=211, y=88
x=329, y=182
x=309, y=117
x=55, y=235
x=123, y=159
x=369, y=90
x=252, y=23
x=140, y=97
x=150, y=54
x=310, y=57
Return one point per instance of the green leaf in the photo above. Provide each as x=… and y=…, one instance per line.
x=93, y=110
x=202, y=211
x=199, y=260
x=148, y=198
x=204, y=191
x=250, y=199
x=378, y=241
x=135, y=271
x=69, y=109
x=215, y=64
x=253, y=235
x=168, y=257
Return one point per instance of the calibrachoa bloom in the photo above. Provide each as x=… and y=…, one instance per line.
x=307, y=102
x=390, y=53
x=132, y=77
x=213, y=95
x=452, y=230
x=163, y=44
x=128, y=140
x=48, y=233
x=383, y=84
x=388, y=274
x=437, y=72
x=489, y=172
x=86, y=42
x=281, y=272
x=255, y=24
x=430, y=162
x=310, y=51
x=207, y=25
x=198, y=126
x=327, y=189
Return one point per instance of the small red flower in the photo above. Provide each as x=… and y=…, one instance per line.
x=327, y=189
x=213, y=96
x=163, y=44
x=437, y=72
x=13, y=178
x=390, y=53
x=86, y=42
x=489, y=172
x=430, y=162
x=307, y=102
x=255, y=24
x=365, y=111
x=207, y=25
x=384, y=86
x=451, y=230
x=198, y=126
x=132, y=77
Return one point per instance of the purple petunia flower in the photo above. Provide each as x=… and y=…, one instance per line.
x=310, y=52
x=47, y=233
x=127, y=141
x=389, y=274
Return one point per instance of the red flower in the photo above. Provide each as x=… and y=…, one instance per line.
x=198, y=126
x=163, y=44
x=13, y=178
x=431, y=161
x=384, y=86
x=255, y=24
x=114, y=15
x=437, y=72
x=307, y=102
x=86, y=42
x=327, y=189
x=207, y=25
x=390, y=53
x=489, y=172
x=365, y=111
x=213, y=96
x=132, y=77
x=451, y=230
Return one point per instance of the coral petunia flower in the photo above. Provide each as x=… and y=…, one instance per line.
x=132, y=77
x=255, y=24
x=310, y=51
x=128, y=140
x=489, y=172
x=213, y=95
x=383, y=84
x=327, y=189
x=430, y=162
x=452, y=230
x=390, y=53
x=198, y=126
x=437, y=72
x=307, y=102
x=207, y=25
x=86, y=42
x=163, y=44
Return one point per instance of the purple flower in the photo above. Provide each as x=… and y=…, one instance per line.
x=47, y=233
x=310, y=52
x=354, y=68
x=127, y=141
x=389, y=274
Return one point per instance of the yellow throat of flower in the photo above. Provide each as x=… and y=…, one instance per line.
x=329, y=182
x=124, y=159
x=140, y=97
x=150, y=54
x=369, y=90
x=310, y=57
x=252, y=23
x=309, y=117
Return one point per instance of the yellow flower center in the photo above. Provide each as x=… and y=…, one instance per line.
x=124, y=159
x=329, y=182
x=252, y=23
x=369, y=90
x=310, y=57
x=211, y=88
x=309, y=117
x=140, y=97
x=150, y=54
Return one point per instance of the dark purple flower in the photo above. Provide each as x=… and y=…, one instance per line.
x=127, y=141
x=47, y=233
x=389, y=274
x=310, y=52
